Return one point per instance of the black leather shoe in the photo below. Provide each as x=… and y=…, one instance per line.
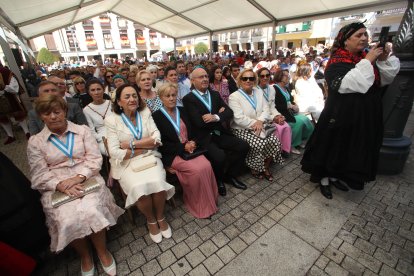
x=221, y=188
x=326, y=191
x=337, y=184
x=236, y=183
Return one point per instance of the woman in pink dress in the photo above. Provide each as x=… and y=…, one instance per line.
x=218, y=83
x=62, y=157
x=195, y=175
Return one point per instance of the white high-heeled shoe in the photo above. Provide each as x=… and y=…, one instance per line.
x=157, y=238
x=166, y=233
x=110, y=269
x=91, y=272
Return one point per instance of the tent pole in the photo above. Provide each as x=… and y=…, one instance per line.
x=274, y=39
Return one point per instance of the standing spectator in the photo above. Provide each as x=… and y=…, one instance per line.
x=235, y=70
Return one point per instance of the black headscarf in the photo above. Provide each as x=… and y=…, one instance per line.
x=345, y=33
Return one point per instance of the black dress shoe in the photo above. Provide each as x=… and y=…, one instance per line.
x=326, y=191
x=337, y=184
x=236, y=183
x=221, y=188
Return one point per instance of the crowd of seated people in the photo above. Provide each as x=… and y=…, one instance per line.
x=205, y=122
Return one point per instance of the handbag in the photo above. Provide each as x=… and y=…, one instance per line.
x=267, y=130
x=191, y=155
x=59, y=198
x=140, y=164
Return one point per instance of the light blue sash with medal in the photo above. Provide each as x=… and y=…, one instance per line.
x=265, y=92
x=206, y=103
x=285, y=94
x=65, y=148
x=136, y=131
x=177, y=122
x=253, y=102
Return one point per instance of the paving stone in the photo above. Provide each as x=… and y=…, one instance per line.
x=282, y=208
x=231, y=231
x=258, y=229
x=316, y=271
x=227, y=219
x=388, y=225
x=394, y=238
x=334, y=269
x=255, y=201
x=267, y=221
x=177, y=223
x=208, y=248
x=140, y=231
x=179, y=235
x=336, y=242
x=213, y=264
x=195, y=257
x=241, y=224
x=375, y=229
x=347, y=236
x=260, y=211
x=361, y=232
x=290, y=203
x=138, y=272
x=241, y=198
x=405, y=267
x=357, y=220
x=370, y=217
x=251, y=217
x=187, y=217
x=401, y=253
x=348, y=226
x=166, y=244
x=193, y=241
x=395, y=212
x=135, y=261
x=352, y=266
x=334, y=254
x=409, y=217
x=233, y=203
x=388, y=271
x=383, y=215
x=137, y=245
x=380, y=242
x=166, y=272
x=166, y=259
x=181, y=267
x=385, y=257
x=237, y=213
x=275, y=215
x=409, y=245
x=151, y=251
x=126, y=239
x=350, y=250
x=322, y=261
x=409, y=235
x=191, y=227
x=248, y=236
x=180, y=249
x=122, y=268
x=122, y=254
x=151, y=268
x=226, y=254
x=370, y=262
x=403, y=224
x=220, y=239
x=199, y=271
x=113, y=246
x=365, y=246
x=217, y=226
x=238, y=245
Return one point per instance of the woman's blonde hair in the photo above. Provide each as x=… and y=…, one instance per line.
x=47, y=102
x=139, y=76
x=304, y=70
x=238, y=79
x=166, y=87
x=78, y=80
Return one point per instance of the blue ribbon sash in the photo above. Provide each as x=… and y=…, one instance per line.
x=67, y=147
x=206, y=103
x=136, y=131
x=177, y=122
x=253, y=102
x=265, y=92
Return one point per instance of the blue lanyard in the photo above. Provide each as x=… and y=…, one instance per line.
x=136, y=131
x=285, y=94
x=253, y=102
x=65, y=148
x=207, y=104
x=265, y=92
x=177, y=122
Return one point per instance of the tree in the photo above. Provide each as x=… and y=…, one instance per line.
x=46, y=57
x=200, y=48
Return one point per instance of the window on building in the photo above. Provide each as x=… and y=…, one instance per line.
x=124, y=39
x=260, y=45
x=71, y=38
x=290, y=45
x=90, y=39
x=122, y=23
x=104, y=20
x=139, y=36
x=108, y=40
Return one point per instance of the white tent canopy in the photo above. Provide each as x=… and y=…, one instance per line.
x=177, y=18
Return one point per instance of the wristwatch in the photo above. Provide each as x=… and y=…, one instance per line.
x=133, y=144
x=81, y=176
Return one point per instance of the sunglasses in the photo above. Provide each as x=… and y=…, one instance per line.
x=265, y=76
x=248, y=78
x=109, y=76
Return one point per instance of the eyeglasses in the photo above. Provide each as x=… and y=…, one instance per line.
x=109, y=76
x=248, y=78
x=265, y=76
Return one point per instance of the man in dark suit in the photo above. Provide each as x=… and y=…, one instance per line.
x=75, y=113
x=207, y=111
x=235, y=71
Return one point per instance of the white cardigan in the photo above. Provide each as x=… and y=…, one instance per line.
x=271, y=103
x=244, y=114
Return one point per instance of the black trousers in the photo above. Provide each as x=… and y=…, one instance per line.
x=227, y=150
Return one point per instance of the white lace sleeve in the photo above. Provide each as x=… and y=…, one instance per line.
x=13, y=87
x=388, y=69
x=358, y=79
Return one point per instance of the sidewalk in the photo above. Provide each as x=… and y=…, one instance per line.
x=281, y=228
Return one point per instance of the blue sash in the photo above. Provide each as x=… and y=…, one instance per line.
x=253, y=102
x=177, y=122
x=265, y=92
x=136, y=131
x=285, y=94
x=207, y=104
x=65, y=148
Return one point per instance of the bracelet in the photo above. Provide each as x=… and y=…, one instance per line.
x=132, y=148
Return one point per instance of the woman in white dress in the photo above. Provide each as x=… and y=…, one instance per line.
x=132, y=138
x=97, y=111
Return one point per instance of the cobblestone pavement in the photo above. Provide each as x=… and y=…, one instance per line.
x=377, y=237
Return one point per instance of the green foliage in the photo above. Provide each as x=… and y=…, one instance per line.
x=46, y=57
x=200, y=48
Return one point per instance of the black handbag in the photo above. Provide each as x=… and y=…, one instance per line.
x=188, y=156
